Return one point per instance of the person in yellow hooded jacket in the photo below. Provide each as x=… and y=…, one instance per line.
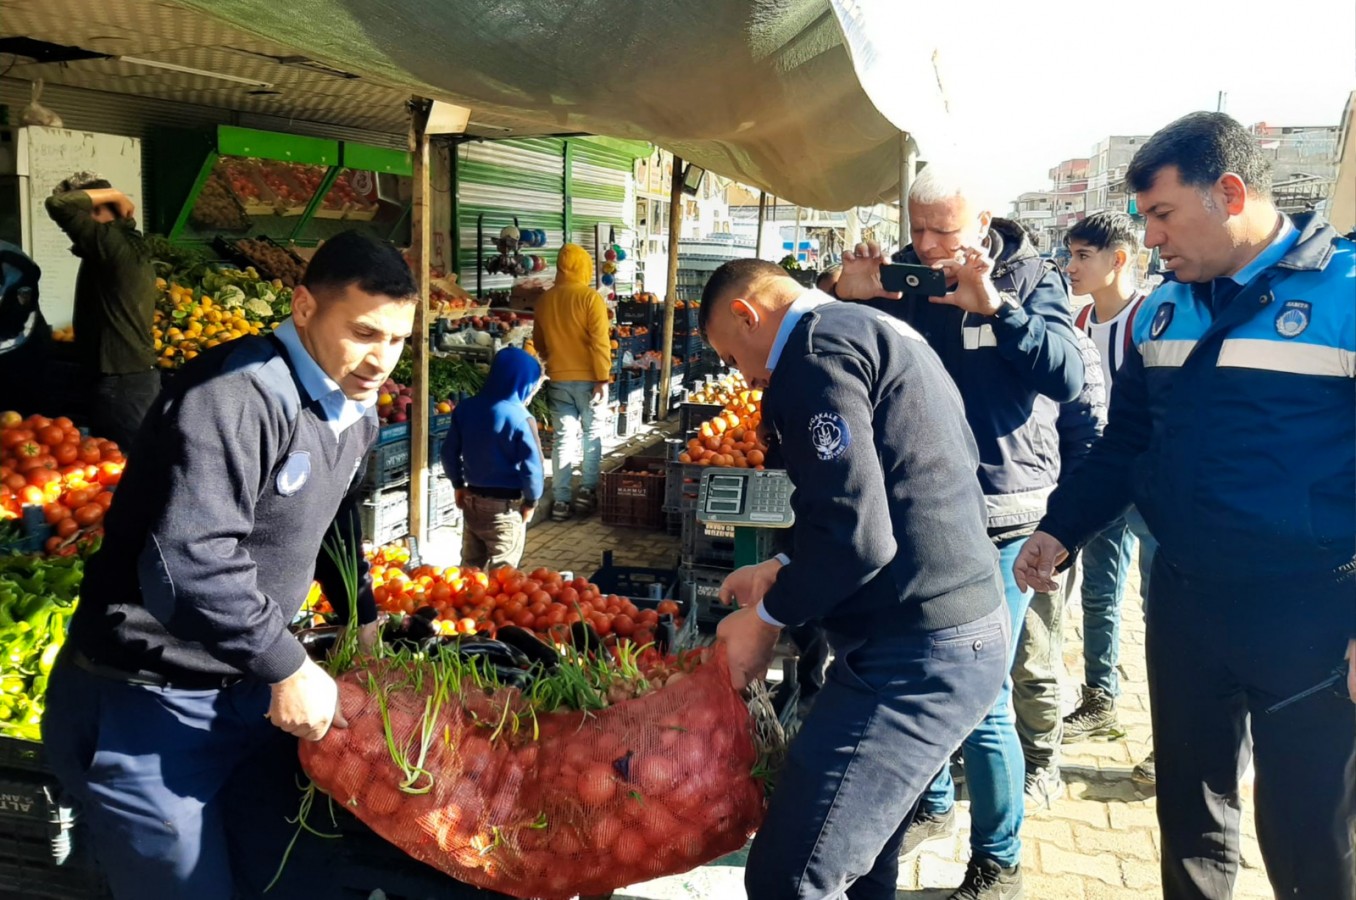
x=571, y=335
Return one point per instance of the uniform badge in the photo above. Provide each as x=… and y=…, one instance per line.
x=294, y=473
x=1293, y=318
x=829, y=435
x=1162, y=319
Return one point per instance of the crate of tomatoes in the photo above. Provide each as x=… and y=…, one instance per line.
x=55, y=481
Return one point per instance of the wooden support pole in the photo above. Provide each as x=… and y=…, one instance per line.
x=762, y=216
x=671, y=286
x=421, y=234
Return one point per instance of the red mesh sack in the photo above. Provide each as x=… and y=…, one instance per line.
x=544, y=805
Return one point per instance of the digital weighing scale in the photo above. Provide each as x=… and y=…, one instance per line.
x=745, y=497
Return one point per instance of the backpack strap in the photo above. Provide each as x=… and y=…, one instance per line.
x=1130, y=322
x=1081, y=320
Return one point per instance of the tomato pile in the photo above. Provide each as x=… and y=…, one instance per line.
x=469, y=601
x=730, y=439
x=48, y=463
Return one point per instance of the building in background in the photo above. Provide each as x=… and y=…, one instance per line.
x=1341, y=211
x=1035, y=210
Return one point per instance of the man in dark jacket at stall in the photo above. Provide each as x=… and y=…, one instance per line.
x=174, y=708
x=1004, y=332
x=889, y=554
x=114, y=303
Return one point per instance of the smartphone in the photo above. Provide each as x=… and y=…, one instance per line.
x=920, y=281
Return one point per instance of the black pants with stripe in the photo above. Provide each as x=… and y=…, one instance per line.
x=1218, y=656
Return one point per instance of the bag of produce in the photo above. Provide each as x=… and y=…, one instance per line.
x=576, y=778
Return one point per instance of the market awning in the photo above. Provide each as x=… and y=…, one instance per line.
x=804, y=98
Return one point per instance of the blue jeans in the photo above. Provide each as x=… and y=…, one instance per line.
x=892, y=710
x=576, y=419
x=1106, y=566
x=995, y=770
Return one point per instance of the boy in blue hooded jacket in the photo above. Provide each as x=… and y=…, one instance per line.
x=493, y=457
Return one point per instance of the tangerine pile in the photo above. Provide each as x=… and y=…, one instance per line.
x=49, y=463
x=731, y=438
x=470, y=601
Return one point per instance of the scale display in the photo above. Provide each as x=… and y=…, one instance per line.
x=746, y=497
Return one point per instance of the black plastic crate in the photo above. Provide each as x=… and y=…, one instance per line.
x=24, y=879
x=632, y=313
x=713, y=544
x=627, y=383
x=685, y=320
x=640, y=585
x=692, y=415
x=681, y=487
x=386, y=515
x=700, y=586
x=33, y=532
x=21, y=755
x=635, y=582
x=636, y=345
x=387, y=465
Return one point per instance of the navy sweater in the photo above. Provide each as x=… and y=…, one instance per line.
x=890, y=521
x=493, y=439
x=217, y=530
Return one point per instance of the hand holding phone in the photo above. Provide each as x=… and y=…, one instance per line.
x=913, y=280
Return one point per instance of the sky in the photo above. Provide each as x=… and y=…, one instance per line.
x=1032, y=83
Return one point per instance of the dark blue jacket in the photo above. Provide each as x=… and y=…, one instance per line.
x=1083, y=418
x=1013, y=369
x=493, y=440
x=1234, y=431
x=890, y=522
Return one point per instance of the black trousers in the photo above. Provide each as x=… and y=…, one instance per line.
x=120, y=403
x=1218, y=656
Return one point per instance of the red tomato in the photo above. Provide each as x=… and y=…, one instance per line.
x=623, y=625
x=110, y=473
x=89, y=514
x=54, y=513
x=66, y=454
x=89, y=452
x=668, y=606
x=51, y=435
x=67, y=527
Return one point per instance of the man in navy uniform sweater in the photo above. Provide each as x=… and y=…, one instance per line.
x=181, y=690
x=890, y=555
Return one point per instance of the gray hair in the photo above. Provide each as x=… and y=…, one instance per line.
x=937, y=184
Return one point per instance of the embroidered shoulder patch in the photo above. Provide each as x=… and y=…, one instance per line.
x=830, y=436
x=1162, y=319
x=1293, y=318
x=292, y=476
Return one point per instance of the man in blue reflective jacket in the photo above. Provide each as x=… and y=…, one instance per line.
x=1233, y=428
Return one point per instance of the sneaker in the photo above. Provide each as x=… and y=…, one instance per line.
x=1145, y=773
x=560, y=511
x=1094, y=717
x=586, y=502
x=1043, y=788
x=927, y=827
x=987, y=880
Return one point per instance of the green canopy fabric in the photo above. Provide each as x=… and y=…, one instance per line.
x=775, y=93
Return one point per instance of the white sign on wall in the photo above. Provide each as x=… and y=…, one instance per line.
x=46, y=157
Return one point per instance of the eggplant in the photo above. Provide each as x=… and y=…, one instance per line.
x=533, y=647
